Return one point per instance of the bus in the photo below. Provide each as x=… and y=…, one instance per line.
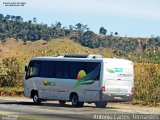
x=79, y=79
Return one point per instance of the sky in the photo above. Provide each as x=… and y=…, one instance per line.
x=132, y=18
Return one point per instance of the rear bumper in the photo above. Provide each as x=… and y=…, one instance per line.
x=116, y=98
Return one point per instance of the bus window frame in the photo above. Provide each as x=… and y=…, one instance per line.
x=28, y=70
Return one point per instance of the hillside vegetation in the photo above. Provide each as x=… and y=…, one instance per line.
x=147, y=82
x=136, y=49
x=15, y=54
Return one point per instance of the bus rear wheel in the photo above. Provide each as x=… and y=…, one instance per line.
x=101, y=104
x=74, y=100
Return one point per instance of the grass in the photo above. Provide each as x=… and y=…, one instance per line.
x=12, y=48
x=147, y=82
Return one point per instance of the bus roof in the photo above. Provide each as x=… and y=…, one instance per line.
x=62, y=58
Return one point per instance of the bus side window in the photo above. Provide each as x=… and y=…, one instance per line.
x=33, y=70
x=91, y=66
x=75, y=68
x=62, y=70
x=47, y=69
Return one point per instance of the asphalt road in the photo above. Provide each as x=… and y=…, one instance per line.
x=23, y=110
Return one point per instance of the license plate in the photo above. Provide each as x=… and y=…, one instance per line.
x=118, y=98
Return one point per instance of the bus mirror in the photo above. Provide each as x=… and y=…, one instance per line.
x=26, y=68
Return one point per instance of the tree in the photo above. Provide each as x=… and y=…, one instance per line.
x=14, y=71
x=30, y=21
x=102, y=31
x=18, y=19
x=34, y=20
x=78, y=27
x=58, y=25
x=7, y=17
x=81, y=28
x=116, y=33
x=13, y=18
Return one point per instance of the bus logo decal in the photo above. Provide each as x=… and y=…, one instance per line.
x=110, y=70
x=115, y=70
x=84, y=78
x=46, y=83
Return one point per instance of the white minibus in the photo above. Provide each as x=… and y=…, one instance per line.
x=79, y=78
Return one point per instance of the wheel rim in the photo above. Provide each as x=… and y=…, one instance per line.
x=74, y=100
x=35, y=98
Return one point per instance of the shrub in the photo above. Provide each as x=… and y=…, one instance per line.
x=147, y=82
x=14, y=71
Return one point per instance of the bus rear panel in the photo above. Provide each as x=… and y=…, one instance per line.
x=118, y=80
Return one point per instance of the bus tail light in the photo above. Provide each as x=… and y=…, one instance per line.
x=132, y=89
x=103, y=89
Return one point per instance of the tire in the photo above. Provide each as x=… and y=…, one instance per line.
x=101, y=104
x=36, y=99
x=75, y=101
x=62, y=102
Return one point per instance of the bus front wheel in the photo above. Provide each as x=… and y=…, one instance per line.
x=36, y=99
x=101, y=104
